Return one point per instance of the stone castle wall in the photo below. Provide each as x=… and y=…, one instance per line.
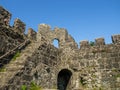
x=39, y=67
x=11, y=36
x=8, y=38
x=101, y=65
x=59, y=34
x=90, y=67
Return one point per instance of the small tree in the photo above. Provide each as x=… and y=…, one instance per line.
x=92, y=43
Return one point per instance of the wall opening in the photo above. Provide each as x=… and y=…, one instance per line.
x=63, y=79
x=56, y=43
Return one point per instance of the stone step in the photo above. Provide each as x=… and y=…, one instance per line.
x=6, y=76
x=18, y=62
x=30, y=47
x=2, y=74
x=14, y=68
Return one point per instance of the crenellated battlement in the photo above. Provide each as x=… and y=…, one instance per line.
x=100, y=41
x=59, y=34
x=93, y=66
x=116, y=39
x=5, y=17
x=65, y=40
x=19, y=26
x=45, y=31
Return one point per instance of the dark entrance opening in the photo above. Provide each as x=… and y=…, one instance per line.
x=63, y=79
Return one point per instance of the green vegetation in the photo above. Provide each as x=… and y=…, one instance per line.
x=117, y=76
x=3, y=69
x=82, y=81
x=94, y=76
x=100, y=88
x=16, y=55
x=92, y=43
x=54, y=87
x=34, y=86
x=24, y=87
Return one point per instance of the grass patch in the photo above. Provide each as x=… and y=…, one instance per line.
x=24, y=87
x=118, y=75
x=34, y=86
x=16, y=55
x=3, y=69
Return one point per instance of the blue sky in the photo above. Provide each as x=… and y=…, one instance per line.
x=84, y=19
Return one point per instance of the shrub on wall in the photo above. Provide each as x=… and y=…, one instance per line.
x=16, y=55
x=24, y=87
x=34, y=86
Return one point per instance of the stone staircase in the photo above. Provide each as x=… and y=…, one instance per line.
x=15, y=66
x=5, y=58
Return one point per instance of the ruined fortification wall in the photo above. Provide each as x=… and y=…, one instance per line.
x=90, y=67
x=39, y=68
x=93, y=67
x=5, y=16
x=11, y=36
x=60, y=34
x=101, y=63
x=8, y=37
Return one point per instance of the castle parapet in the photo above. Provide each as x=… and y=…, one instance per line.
x=99, y=41
x=116, y=39
x=19, y=26
x=5, y=17
x=31, y=34
x=84, y=43
x=44, y=28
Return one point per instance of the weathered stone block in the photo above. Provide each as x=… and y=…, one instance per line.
x=116, y=39
x=99, y=41
x=5, y=17
x=31, y=34
x=116, y=65
x=84, y=43
x=19, y=26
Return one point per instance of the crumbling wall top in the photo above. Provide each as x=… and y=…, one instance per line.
x=60, y=34
x=19, y=26
x=5, y=17
x=31, y=34
x=116, y=39
x=100, y=41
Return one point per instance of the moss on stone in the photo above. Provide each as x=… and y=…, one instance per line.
x=24, y=87
x=34, y=86
x=3, y=69
x=15, y=56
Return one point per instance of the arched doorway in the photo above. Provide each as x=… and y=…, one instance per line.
x=63, y=79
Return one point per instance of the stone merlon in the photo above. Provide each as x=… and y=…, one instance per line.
x=19, y=26
x=5, y=17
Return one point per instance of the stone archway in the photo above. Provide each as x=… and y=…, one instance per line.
x=63, y=79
